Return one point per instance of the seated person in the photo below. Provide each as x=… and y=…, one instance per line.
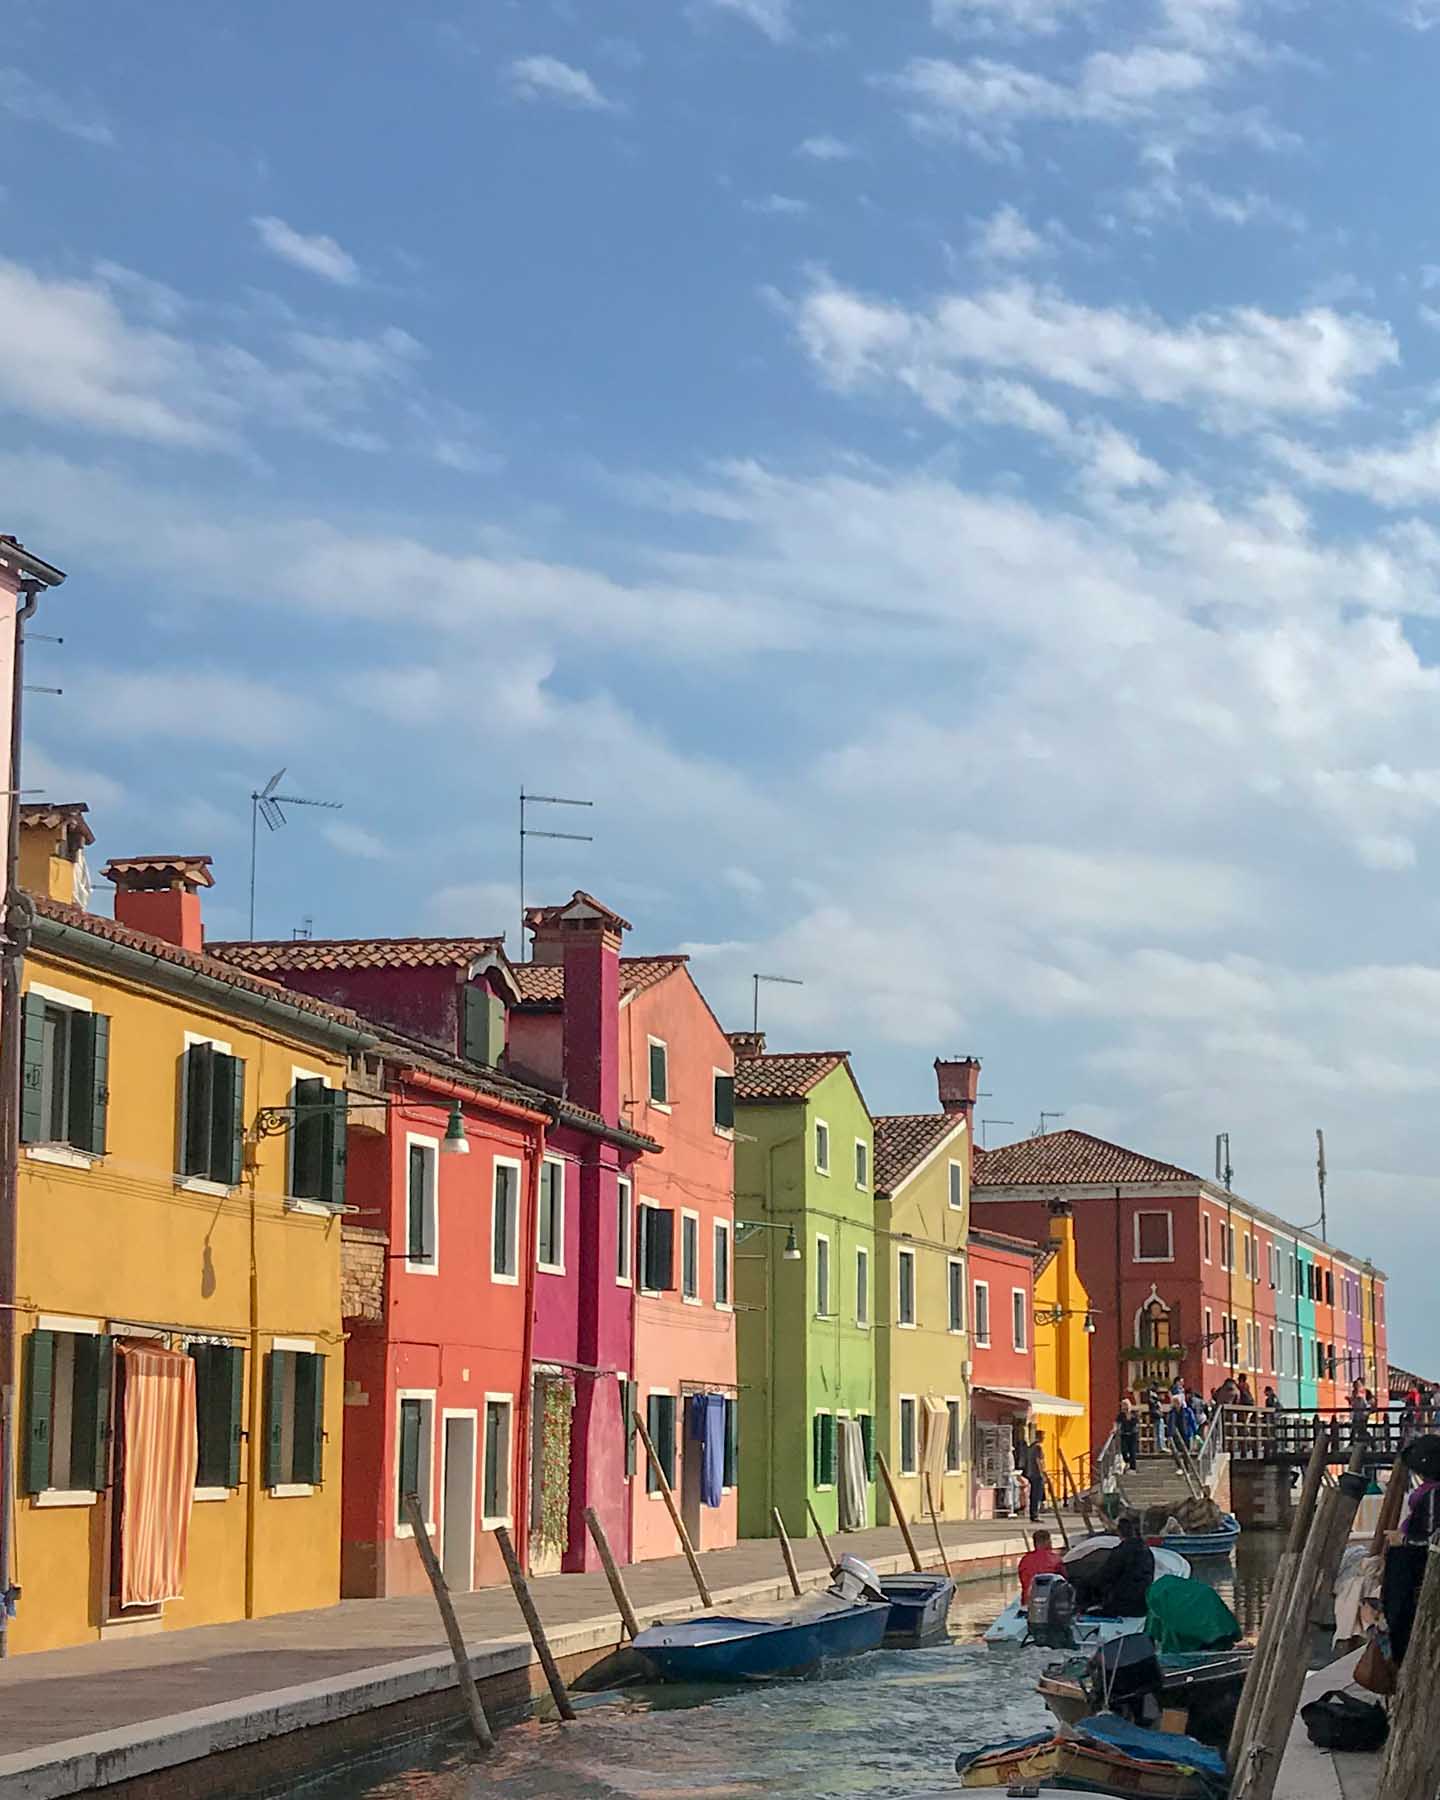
x=1129, y=1570
x=1042, y=1560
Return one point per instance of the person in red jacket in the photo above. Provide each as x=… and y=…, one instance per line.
x=1042, y=1560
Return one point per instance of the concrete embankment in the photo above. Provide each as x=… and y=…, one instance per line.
x=230, y=1710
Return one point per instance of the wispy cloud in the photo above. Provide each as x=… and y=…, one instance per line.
x=315, y=254
x=1006, y=18
x=354, y=840
x=778, y=206
x=547, y=78
x=1006, y=236
x=28, y=99
x=773, y=17
x=825, y=148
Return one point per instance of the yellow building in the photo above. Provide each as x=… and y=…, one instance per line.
x=922, y=1345
x=180, y=1187
x=1062, y=1345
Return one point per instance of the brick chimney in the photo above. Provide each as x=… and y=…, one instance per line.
x=584, y=937
x=747, y=1045
x=959, y=1084
x=161, y=895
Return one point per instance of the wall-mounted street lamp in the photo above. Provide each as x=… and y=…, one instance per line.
x=1052, y=1315
x=272, y=1121
x=791, y=1252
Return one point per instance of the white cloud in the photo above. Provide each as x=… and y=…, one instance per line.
x=779, y=206
x=1006, y=237
x=27, y=99
x=547, y=78
x=825, y=148
x=354, y=840
x=1007, y=18
x=773, y=17
x=202, y=705
x=316, y=255
x=1402, y=474
x=1168, y=200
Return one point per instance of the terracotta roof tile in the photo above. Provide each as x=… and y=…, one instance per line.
x=903, y=1141
x=62, y=813
x=1069, y=1158
x=262, y=957
x=544, y=983
x=785, y=1075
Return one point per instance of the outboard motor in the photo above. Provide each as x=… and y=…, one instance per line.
x=1050, y=1612
x=1125, y=1677
x=854, y=1580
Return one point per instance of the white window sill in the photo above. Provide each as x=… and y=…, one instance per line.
x=489, y=1524
x=312, y=1209
x=65, y=1497
x=956, y=1331
x=408, y=1531
x=727, y=1132
x=691, y=1299
x=824, y=1487
x=211, y=1493
x=862, y=1324
x=982, y=1343
x=63, y=1156
x=724, y=1306
x=658, y=1105
x=623, y=1281
x=908, y=1474
x=201, y=1184
x=504, y=1280
x=827, y=1316
x=862, y=1187
x=820, y=1171
x=906, y=1325
x=291, y=1490
x=650, y=1293
x=550, y=1268
x=1166, y=1259
x=421, y=1268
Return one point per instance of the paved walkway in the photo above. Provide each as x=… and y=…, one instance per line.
x=60, y=1695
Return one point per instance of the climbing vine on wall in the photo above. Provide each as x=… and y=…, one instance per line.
x=553, y=1527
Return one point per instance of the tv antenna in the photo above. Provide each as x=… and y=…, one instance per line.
x=527, y=831
x=985, y=1122
x=755, y=980
x=266, y=804
x=1039, y=1130
x=1320, y=1173
x=1224, y=1174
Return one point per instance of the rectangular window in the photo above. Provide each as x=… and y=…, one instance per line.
x=1209, y=1335
x=953, y=1437
x=981, y=1312
x=866, y=1423
x=862, y=1163
x=1205, y=1235
x=822, y=1147
x=730, y=1469
x=1152, y=1237
x=317, y=1142
x=824, y=1449
x=212, y=1101
x=957, y=1185
x=690, y=1255
x=660, y=1423
x=1271, y=1347
x=550, y=1229
x=907, y=1446
x=414, y=1455
x=624, y=1218
x=722, y=1262
x=505, y=1223
x=724, y=1101
x=64, y=1094
x=955, y=1276
x=67, y=1425
x=422, y=1236
x=294, y=1419
x=659, y=1072
x=862, y=1287
x=1245, y=1252
x=1019, y=1319
x=1234, y=1356
x=905, y=1270
x=627, y=1421
x=219, y=1413
x=496, y=1502
x=822, y=1277
x=656, y=1246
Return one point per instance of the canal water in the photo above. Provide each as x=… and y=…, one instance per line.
x=879, y=1727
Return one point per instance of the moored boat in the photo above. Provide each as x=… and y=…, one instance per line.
x=1103, y=1755
x=1203, y=1684
x=919, y=1608
x=1089, y=1630
x=1220, y=1542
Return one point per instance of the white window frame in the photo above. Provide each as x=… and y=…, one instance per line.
x=63, y=1323
x=427, y=1399
x=954, y=1265
x=1273, y=1369
x=655, y=1043
x=198, y=1184
x=1019, y=1320
x=822, y=1262
x=720, y=1235
x=955, y=1180
x=862, y=1286
x=1155, y=1212
x=690, y=1220
x=721, y=1131
x=1209, y=1329
x=415, y=1140
x=1205, y=1244
x=862, y=1166
x=822, y=1128
x=913, y=1402
x=958, y=1466
x=507, y=1162
x=551, y=1161
x=489, y=1522
x=64, y=1156
x=977, y=1312
x=624, y=1230
x=472, y=1414
x=298, y=1490
x=902, y=1256
x=644, y=1467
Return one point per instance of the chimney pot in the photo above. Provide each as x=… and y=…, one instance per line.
x=959, y=1082
x=160, y=895
x=747, y=1045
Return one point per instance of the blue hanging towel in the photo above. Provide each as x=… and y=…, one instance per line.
x=707, y=1425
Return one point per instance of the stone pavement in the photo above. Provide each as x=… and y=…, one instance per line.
x=57, y=1696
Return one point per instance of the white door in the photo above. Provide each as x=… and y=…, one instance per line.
x=457, y=1521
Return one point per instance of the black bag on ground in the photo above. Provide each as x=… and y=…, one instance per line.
x=1338, y=1721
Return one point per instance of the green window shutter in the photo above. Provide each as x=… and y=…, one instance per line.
x=219, y=1398
x=333, y=1168
x=660, y=1250
x=89, y=1080
x=90, y=1412
x=827, y=1446
x=40, y=1406
x=235, y=1424
x=409, y=1449
x=227, y=1099
x=200, y=1355
x=867, y=1443
x=416, y=1248
x=277, y=1391
x=32, y=1122
x=198, y=1088
x=483, y=1027
x=815, y=1434
x=230, y=1162
x=659, y=1073
x=732, y=1443
x=99, y=1099
x=309, y=1418
x=307, y=1140
x=627, y=1423
x=725, y=1102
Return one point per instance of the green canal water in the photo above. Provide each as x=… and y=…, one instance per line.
x=876, y=1728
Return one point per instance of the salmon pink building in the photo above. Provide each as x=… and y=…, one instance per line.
x=1002, y=1306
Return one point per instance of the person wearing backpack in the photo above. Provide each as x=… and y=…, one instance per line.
x=1409, y=1548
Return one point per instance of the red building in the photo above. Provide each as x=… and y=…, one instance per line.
x=1002, y=1338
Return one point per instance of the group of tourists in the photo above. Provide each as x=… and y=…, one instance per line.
x=1177, y=1415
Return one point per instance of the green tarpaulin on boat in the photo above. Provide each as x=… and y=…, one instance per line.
x=1188, y=1615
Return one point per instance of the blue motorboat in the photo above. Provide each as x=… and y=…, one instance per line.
x=851, y=1617
x=919, y=1608
x=1203, y=1543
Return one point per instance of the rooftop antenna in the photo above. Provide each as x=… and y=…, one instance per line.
x=526, y=831
x=266, y=804
x=1224, y=1174
x=1039, y=1130
x=304, y=930
x=755, y=980
x=985, y=1122
x=1320, y=1178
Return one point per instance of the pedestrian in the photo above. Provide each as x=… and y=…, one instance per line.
x=1227, y=1393
x=1035, y=1473
x=1244, y=1393
x=1408, y=1549
x=1127, y=1423
x=1157, y=1417
x=1197, y=1406
x=1272, y=1400
x=1179, y=1423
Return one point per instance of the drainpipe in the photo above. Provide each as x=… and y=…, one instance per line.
x=526, y=1397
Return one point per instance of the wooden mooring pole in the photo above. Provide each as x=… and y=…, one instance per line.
x=899, y=1511
x=612, y=1573
x=479, y=1724
x=559, y=1693
x=674, y=1511
x=820, y=1533
x=935, y=1524
x=1411, y=1769
x=786, y=1551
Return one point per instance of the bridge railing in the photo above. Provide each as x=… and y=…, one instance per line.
x=1259, y=1434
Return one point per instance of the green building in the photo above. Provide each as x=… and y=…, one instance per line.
x=805, y=1282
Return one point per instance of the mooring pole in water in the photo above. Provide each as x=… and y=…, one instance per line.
x=786, y=1551
x=899, y=1512
x=612, y=1573
x=820, y=1533
x=935, y=1523
x=1055, y=1508
x=673, y=1510
x=558, y=1691
x=479, y=1724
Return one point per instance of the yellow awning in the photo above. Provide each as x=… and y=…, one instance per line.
x=1038, y=1401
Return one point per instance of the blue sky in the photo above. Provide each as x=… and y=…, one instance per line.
x=952, y=480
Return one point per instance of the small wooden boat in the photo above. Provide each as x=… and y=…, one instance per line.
x=1204, y=1684
x=1203, y=1543
x=1090, y=1629
x=1104, y=1755
x=919, y=1608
